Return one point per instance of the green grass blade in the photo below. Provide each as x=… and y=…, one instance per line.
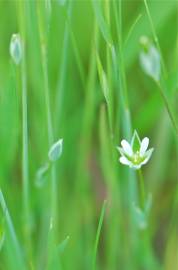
x=19, y=260
x=104, y=28
x=98, y=234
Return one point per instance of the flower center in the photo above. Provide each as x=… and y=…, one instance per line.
x=137, y=159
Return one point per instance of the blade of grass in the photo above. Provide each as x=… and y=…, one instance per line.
x=155, y=36
x=63, y=69
x=160, y=86
x=25, y=152
x=98, y=233
x=109, y=163
x=104, y=28
x=53, y=181
x=132, y=28
x=18, y=255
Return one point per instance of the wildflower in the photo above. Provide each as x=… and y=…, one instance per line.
x=135, y=154
x=16, y=48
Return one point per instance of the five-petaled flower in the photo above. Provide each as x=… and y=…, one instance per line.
x=135, y=154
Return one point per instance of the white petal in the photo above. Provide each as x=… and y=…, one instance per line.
x=121, y=150
x=127, y=148
x=147, y=155
x=124, y=161
x=144, y=146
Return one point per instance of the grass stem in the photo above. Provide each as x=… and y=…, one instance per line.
x=142, y=189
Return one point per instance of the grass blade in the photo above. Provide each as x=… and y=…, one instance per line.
x=16, y=247
x=98, y=233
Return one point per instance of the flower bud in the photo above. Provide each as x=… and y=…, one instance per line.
x=16, y=48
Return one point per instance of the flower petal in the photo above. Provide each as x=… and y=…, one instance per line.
x=121, y=150
x=144, y=146
x=147, y=156
x=124, y=161
x=127, y=148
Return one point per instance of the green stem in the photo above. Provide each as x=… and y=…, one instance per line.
x=142, y=189
x=53, y=182
x=155, y=36
x=25, y=162
x=169, y=111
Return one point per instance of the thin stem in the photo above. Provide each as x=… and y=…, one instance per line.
x=53, y=187
x=155, y=36
x=121, y=69
x=167, y=107
x=142, y=189
x=25, y=162
x=109, y=74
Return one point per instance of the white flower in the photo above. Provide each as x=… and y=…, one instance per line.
x=135, y=154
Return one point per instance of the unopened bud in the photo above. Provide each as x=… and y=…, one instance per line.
x=16, y=48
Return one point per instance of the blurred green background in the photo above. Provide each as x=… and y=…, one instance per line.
x=73, y=34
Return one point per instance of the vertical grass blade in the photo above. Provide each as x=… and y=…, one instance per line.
x=98, y=233
x=53, y=222
x=25, y=152
x=63, y=69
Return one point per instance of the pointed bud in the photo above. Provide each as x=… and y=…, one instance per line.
x=150, y=58
x=55, y=151
x=16, y=48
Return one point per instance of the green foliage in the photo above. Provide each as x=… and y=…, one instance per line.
x=79, y=78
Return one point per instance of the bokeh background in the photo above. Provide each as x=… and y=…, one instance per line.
x=74, y=34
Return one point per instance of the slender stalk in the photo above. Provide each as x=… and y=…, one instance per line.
x=170, y=113
x=53, y=182
x=163, y=68
x=109, y=77
x=142, y=189
x=155, y=36
x=121, y=69
x=25, y=152
x=98, y=235
x=131, y=29
x=63, y=70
